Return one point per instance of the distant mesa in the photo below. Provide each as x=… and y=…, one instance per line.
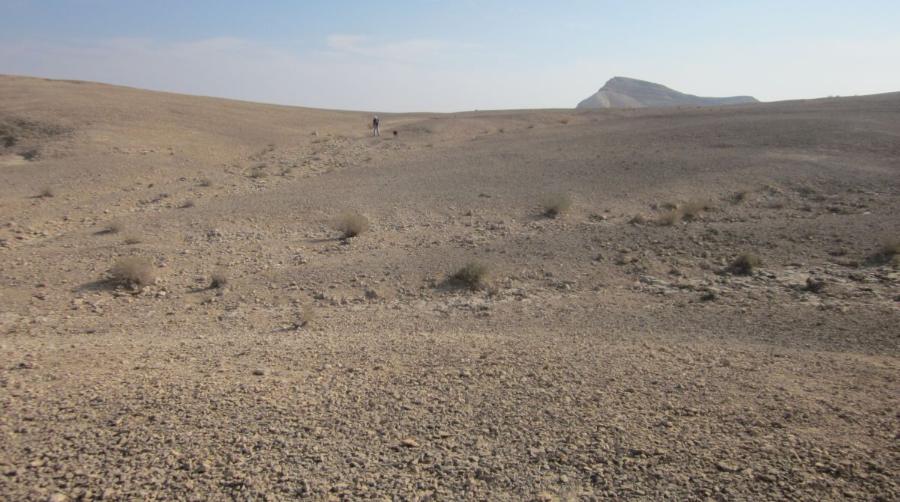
x=623, y=92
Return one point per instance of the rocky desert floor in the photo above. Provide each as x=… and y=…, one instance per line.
x=614, y=351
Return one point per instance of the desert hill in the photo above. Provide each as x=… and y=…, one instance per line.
x=711, y=311
x=623, y=92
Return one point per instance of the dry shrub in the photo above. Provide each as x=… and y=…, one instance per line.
x=670, y=217
x=187, y=204
x=305, y=317
x=740, y=196
x=114, y=227
x=744, y=264
x=472, y=274
x=258, y=172
x=218, y=280
x=351, y=224
x=563, y=121
x=691, y=209
x=556, y=204
x=206, y=182
x=638, y=219
x=890, y=248
x=132, y=240
x=889, y=252
x=133, y=271
x=46, y=192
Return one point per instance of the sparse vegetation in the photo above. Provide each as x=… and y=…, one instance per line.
x=670, y=217
x=218, y=280
x=113, y=227
x=258, y=172
x=556, y=204
x=305, y=317
x=133, y=271
x=691, y=209
x=132, y=240
x=890, y=248
x=744, y=264
x=351, y=224
x=46, y=192
x=205, y=182
x=638, y=219
x=563, y=121
x=740, y=196
x=888, y=252
x=472, y=274
x=187, y=204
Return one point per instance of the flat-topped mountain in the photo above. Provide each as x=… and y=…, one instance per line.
x=623, y=92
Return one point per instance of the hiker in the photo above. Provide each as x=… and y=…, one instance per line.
x=375, y=123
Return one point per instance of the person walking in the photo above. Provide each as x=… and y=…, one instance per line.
x=375, y=123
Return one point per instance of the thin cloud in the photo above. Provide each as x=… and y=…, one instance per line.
x=404, y=51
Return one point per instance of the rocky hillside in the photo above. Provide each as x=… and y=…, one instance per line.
x=623, y=92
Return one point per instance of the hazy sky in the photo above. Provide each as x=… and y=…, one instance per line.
x=444, y=55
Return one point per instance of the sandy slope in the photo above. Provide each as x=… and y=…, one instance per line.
x=606, y=358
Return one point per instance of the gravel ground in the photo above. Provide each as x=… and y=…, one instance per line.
x=613, y=352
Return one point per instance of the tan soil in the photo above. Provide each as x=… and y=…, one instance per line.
x=604, y=359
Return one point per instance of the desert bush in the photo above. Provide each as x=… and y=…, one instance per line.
x=113, y=227
x=890, y=248
x=187, y=204
x=888, y=252
x=472, y=274
x=205, y=182
x=258, y=172
x=740, y=196
x=133, y=271
x=744, y=264
x=556, y=204
x=669, y=218
x=46, y=192
x=351, y=224
x=563, y=121
x=132, y=240
x=691, y=209
x=638, y=219
x=218, y=280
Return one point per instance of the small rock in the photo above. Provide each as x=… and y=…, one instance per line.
x=727, y=467
x=409, y=443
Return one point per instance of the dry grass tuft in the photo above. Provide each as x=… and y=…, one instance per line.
x=133, y=271
x=132, y=240
x=556, y=204
x=205, y=182
x=113, y=227
x=669, y=218
x=46, y=193
x=890, y=248
x=692, y=209
x=187, y=204
x=351, y=224
x=305, y=317
x=218, y=280
x=472, y=274
x=744, y=264
x=888, y=252
x=638, y=219
x=740, y=196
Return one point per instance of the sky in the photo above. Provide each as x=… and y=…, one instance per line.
x=444, y=55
